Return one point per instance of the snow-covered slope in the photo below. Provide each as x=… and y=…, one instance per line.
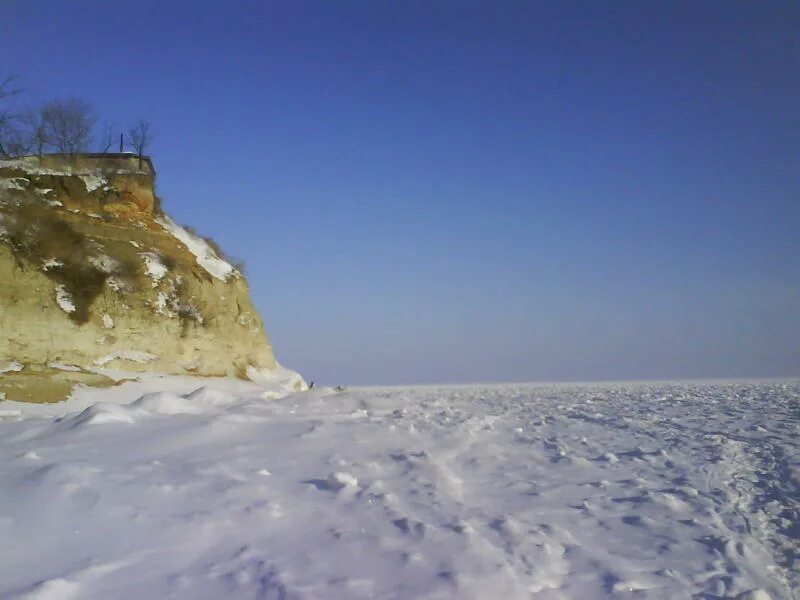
x=187, y=488
x=203, y=253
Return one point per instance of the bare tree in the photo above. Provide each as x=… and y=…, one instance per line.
x=10, y=136
x=14, y=142
x=68, y=124
x=140, y=136
x=35, y=131
x=108, y=138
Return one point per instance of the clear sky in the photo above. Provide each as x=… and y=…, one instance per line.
x=464, y=191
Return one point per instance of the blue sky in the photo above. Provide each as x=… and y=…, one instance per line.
x=469, y=191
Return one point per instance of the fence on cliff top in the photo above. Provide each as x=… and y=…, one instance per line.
x=122, y=161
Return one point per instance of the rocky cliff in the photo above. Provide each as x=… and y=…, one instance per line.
x=97, y=282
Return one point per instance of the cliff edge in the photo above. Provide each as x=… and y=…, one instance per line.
x=97, y=283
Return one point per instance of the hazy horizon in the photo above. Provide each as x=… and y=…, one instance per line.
x=600, y=382
x=462, y=192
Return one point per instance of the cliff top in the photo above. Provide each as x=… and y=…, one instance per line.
x=86, y=163
x=95, y=195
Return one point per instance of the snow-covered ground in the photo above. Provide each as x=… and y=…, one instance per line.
x=499, y=492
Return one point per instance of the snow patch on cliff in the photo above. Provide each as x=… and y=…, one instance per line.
x=11, y=367
x=64, y=367
x=104, y=263
x=13, y=183
x=205, y=255
x=64, y=299
x=94, y=182
x=117, y=284
x=163, y=302
x=155, y=268
x=133, y=355
x=52, y=263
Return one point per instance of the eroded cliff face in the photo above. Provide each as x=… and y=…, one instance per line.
x=96, y=281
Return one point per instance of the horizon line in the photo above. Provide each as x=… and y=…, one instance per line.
x=585, y=382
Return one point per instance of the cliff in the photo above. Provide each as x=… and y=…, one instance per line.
x=97, y=282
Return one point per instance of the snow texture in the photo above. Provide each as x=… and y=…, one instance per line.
x=204, y=254
x=152, y=490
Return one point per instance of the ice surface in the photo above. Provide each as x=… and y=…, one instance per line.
x=201, y=488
